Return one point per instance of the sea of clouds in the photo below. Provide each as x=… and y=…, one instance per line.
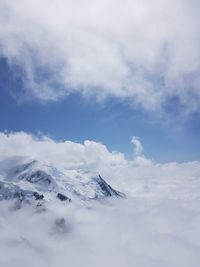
x=157, y=224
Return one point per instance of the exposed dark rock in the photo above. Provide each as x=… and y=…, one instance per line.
x=38, y=196
x=38, y=176
x=107, y=190
x=63, y=197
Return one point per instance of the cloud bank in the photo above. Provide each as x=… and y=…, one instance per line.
x=142, y=233
x=130, y=176
x=144, y=53
x=156, y=225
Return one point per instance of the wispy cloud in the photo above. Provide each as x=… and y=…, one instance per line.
x=138, y=145
x=133, y=50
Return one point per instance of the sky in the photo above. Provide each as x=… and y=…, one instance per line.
x=103, y=72
x=109, y=87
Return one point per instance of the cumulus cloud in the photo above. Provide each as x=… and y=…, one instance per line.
x=129, y=176
x=89, y=155
x=144, y=53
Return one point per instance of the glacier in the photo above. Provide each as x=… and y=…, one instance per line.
x=37, y=182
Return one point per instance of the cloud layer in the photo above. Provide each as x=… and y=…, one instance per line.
x=159, y=218
x=147, y=54
x=114, y=235
x=130, y=176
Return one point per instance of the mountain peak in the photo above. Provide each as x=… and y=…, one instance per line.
x=46, y=182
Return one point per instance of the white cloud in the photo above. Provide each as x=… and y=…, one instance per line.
x=130, y=176
x=158, y=219
x=89, y=155
x=165, y=231
x=138, y=146
x=139, y=158
x=133, y=50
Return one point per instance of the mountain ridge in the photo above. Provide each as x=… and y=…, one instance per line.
x=37, y=182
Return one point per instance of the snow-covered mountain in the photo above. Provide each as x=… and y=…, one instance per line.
x=38, y=182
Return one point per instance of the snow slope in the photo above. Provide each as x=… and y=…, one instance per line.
x=37, y=180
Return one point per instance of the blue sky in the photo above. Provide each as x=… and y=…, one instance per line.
x=111, y=122
x=78, y=71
